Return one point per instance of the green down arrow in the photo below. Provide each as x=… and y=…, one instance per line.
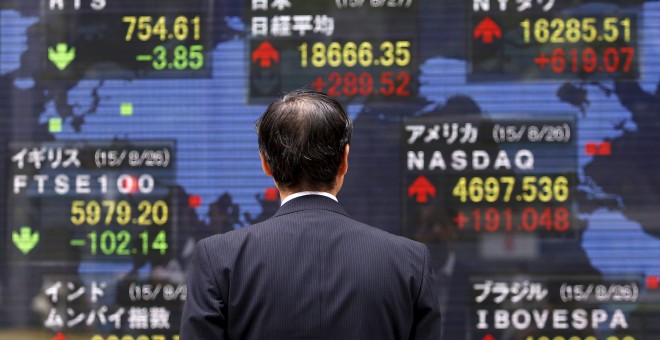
x=61, y=56
x=26, y=240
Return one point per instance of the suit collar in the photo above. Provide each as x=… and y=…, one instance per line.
x=310, y=202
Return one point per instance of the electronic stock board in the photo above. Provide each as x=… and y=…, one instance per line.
x=515, y=138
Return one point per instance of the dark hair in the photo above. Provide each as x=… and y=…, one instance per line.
x=302, y=136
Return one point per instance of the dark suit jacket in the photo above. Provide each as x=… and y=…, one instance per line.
x=310, y=272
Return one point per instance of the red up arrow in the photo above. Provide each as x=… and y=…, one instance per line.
x=488, y=337
x=264, y=54
x=59, y=336
x=422, y=188
x=486, y=30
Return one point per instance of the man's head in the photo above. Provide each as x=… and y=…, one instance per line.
x=303, y=141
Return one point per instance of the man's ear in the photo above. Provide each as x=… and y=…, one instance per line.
x=343, y=167
x=265, y=166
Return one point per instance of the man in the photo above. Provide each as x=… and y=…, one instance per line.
x=310, y=271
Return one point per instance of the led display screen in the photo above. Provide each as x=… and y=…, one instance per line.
x=516, y=139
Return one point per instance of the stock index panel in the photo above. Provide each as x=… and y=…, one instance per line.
x=516, y=139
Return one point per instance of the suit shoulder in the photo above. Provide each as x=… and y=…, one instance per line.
x=234, y=239
x=391, y=240
x=224, y=243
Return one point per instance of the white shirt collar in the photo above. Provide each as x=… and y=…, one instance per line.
x=305, y=193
